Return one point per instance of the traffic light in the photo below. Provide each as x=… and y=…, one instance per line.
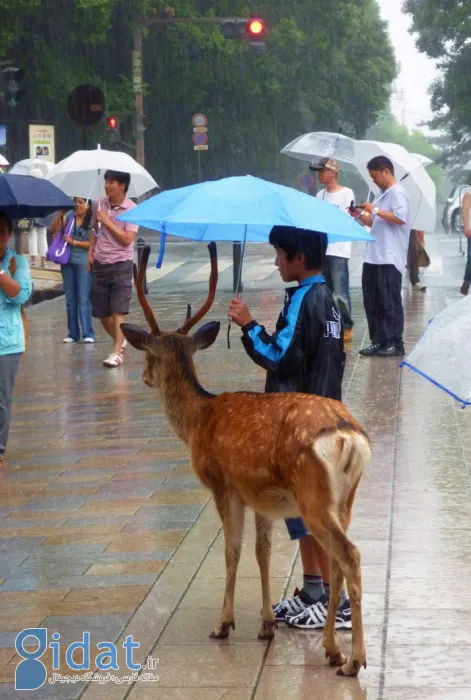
x=12, y=91
x=112, y=123
x=112, y=129
x=251, y=29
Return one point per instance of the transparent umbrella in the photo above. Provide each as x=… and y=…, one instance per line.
x=354, y=155
x=442, y=354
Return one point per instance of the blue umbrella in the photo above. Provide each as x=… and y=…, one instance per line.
x=26, y=197
x=240, y=209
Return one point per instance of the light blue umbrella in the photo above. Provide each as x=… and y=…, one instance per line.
x=240, y=209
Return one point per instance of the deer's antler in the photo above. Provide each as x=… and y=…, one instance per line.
x=213, y=280
x=139, y=284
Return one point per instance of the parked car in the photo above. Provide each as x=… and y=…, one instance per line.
x=451, y=217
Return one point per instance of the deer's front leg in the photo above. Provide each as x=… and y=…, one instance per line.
x=231, y=510
x=264, y=527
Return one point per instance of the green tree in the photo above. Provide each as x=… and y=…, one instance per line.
x=321, y=70
x=443, y=29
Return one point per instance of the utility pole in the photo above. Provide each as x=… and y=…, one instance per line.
x=138, y=91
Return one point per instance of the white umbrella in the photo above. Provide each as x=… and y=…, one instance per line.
x=423, y=159
x=81, y=174
x=442, y=354
x=3, y=161
x=412, y=175
x=354, y=156
x=24, y=167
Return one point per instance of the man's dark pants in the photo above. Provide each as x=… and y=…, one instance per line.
x=383, y=303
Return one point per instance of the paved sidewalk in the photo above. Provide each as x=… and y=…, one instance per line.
x=103, y=528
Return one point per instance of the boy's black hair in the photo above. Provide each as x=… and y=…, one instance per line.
x=122, y=178
x=380, y=163
x=298, y=240
x=6, y=217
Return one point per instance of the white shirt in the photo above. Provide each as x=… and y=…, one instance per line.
x=342, y=200
x=392, y=240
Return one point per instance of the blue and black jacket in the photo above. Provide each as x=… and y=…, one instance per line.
x=305, y=354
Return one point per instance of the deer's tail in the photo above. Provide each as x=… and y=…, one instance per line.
x=344, y=452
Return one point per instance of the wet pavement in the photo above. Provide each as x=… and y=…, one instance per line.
x=103, y=527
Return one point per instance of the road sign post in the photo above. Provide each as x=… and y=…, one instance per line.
x=200, y=137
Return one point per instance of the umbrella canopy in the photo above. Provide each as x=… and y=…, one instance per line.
x=3, y=161
x=25, y=197
x=81, y=174
x=442, y=354
x=423, y=159
x=355, y=155
x=241, y=209
x=24, y=167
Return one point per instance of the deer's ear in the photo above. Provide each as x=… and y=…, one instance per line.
x=206, y=335
x=137, y=337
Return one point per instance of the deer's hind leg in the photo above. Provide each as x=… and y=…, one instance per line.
x=264, y=527
x=231, y=511
x=325, y=514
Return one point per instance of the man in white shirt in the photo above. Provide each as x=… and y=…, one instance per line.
x=385, y=260
x=338, y=254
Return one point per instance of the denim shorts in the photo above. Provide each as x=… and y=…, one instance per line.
x=296, y=528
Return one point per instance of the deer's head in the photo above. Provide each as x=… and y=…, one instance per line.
x=168, y=353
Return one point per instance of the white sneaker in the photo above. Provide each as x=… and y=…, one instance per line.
x=113, y=360
x=124, y=345
x=68, y=340
x=419, y=287
x=89, y=340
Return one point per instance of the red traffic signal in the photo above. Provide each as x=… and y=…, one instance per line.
x=112, y=123
x=256, y=28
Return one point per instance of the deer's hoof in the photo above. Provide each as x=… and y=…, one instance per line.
x=336, y=658
x=352, y=668
x=268, y=629
x=223, y=631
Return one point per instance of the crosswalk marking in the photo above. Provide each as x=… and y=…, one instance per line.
x=154, y=273
x=202, y=273
x=260, y=271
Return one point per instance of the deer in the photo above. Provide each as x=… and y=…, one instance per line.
x=282, y=455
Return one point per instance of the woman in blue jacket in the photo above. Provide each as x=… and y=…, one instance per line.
x=15, y=290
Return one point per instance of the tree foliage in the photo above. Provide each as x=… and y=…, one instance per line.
x=320, y=70
x=443, y=30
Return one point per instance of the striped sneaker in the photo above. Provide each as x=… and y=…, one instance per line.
x=315, y=616
x=292, y=606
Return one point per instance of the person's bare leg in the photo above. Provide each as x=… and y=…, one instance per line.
x=108, y=325
x=116, y=321
x=309, y=549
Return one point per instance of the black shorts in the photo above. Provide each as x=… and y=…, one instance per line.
x=111, y=288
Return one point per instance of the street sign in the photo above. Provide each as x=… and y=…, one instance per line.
x=200, y=139
x=200, y=129
x=200, y=148
x=306, y=180
x=86, y=105
x=199, y=119
x=42, y=142
x=137, y=71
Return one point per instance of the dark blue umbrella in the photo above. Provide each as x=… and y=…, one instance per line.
x=26, y=197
